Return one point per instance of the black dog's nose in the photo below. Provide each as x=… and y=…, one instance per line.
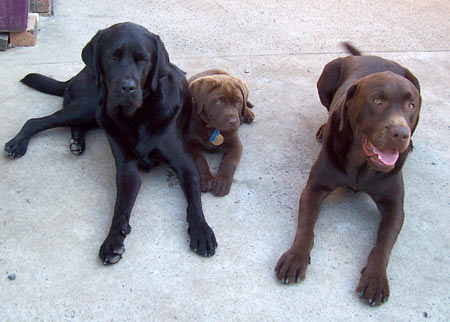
x=399, y=133
x=128, y=86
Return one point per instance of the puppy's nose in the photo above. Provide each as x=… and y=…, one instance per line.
x=232, y=120
x=399, y=133
x=128, y=86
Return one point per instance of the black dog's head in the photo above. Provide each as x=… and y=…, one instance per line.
x=127, y=61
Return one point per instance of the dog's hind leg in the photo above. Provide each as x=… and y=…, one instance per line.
x=77, y=141
x=70, y=116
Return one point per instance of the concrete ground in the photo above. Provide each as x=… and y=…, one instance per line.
x=55, y=208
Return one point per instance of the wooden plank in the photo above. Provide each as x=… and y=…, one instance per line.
x=13, y=15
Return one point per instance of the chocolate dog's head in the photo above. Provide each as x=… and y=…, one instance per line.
x=382, y=111
x=127, y=61
x=220, y=100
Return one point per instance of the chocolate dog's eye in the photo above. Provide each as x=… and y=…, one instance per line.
x=113, y=57
x=377, y=101
x=411, y=106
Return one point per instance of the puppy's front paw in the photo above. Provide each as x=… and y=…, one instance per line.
x=222, y=184
x=207, y=182
x=203, y=241
x=113, y=248
x=291, y=267
x=15, y=148
x=373, y=286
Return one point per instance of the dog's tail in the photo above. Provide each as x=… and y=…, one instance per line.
x=45, y=84
x=352, y=50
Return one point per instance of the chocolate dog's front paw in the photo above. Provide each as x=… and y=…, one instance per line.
x=291, y=267
x=207, y=182
x=77, y=146
x=373, y=286
x=15, y=148
x=203, y=241
x=222, y=184
x=112, y=249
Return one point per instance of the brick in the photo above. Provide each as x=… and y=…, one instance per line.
x=4, y=36
x=28, y=37
x=40, y=6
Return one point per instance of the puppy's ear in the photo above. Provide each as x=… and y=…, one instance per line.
x=345, y=123
x=160, y=61
x=329, y=81
x=244, y=90
x=91, y=56
x=199, y=90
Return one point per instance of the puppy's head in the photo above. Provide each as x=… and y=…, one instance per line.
x=382, y=112
x=220, y=100
x=127, y=61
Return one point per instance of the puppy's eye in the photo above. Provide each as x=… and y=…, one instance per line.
x=411, y=106
x=113, y=57
x=219, y=103
x=377, y=101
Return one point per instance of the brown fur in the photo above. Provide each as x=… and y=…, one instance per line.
x=369, y=100
x=220, y=101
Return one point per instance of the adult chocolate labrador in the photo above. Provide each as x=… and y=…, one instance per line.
x=131, y=90
x=374, y=107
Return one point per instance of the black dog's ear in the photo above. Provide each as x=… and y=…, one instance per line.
x=160, y=61
x=344, y=123
x=91, y=56
x=329, y=81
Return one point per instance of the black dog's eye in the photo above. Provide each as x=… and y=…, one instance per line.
x=411, y=106
x=113, y=57
x=377, y=101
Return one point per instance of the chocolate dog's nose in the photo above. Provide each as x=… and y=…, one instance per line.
x=128, y=86
x=232, y=120
x=399, y=133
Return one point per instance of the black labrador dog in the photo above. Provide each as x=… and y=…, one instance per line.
x=131, y=90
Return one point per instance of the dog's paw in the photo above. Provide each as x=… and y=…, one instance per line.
x=202, y=240
x=15, y=148
x=113, y=248
x=77, y=146
x=373, y=286
x=207, y=182
x=291, y=267
x=222, y=184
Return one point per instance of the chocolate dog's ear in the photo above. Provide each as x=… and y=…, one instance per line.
x=160, y=61
x=409, y=76
x=344, y=123
x=329, y=81
x=91, y=57
x=199, y=90
x=244, y=90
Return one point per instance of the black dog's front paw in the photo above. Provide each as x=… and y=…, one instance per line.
x=77, y=146
x=113, y=248
x=203, y=241
x=15, y=148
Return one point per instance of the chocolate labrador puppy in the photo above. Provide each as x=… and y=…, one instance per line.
x=131, y=90
x=374, y=107
x=220, y=105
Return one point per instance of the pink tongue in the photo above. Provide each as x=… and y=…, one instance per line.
x=386, y=157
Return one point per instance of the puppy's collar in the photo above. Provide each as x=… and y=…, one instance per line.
x=216, y=138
